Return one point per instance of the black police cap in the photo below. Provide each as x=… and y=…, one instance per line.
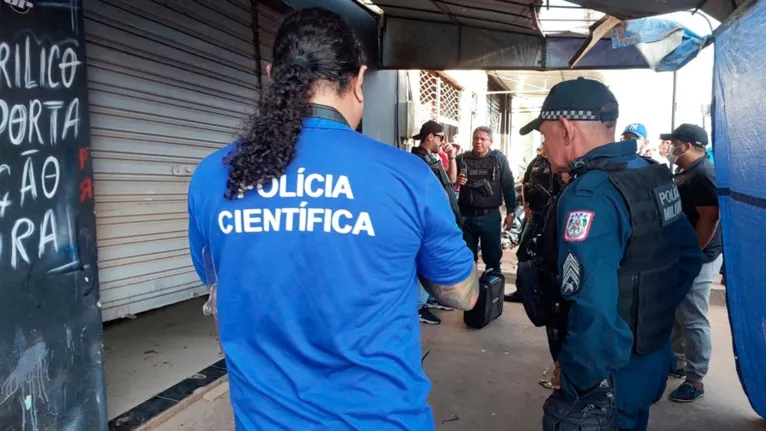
x=577, y=100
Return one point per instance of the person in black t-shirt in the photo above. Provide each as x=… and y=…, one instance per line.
x=691, y=338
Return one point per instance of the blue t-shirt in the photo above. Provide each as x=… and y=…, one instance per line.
x=317, y=288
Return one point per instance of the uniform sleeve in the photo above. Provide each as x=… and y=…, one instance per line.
x=196, y=240
x=593, y=233
x=509, y=191
x=443, y=257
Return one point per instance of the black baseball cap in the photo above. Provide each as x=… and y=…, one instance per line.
x=686, y=132
x=578, y=100
x=428, y=128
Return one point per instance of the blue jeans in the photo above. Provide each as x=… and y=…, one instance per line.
x=422, y=296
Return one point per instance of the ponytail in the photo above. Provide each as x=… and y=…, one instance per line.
x=312, y=46
x=264, y=152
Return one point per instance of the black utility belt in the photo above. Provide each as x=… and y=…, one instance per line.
x=473, y=212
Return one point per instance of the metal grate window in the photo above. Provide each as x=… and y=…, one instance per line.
x=493, y=112
x=439, y=99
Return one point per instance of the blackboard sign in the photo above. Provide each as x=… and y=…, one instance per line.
x=51, y=376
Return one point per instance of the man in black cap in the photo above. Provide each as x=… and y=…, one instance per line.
x=617, y=257
x=431, y=138
x=691, y=340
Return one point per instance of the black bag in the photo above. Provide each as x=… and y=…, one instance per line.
x=489, y=306
x=529, y=285
x=596, y=411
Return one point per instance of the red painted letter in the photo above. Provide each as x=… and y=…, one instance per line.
x=86, y=189
x=83, y=158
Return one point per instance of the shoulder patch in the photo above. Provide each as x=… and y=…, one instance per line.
x=668, y=201
x=570, y=276
x=578, y=225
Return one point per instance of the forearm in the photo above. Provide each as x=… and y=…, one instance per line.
x=462, y=295
x=705, y=230
x=452, y=171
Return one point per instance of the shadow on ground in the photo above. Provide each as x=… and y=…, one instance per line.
x=487, y=379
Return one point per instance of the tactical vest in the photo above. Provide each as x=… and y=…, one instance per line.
x=435, y=163
x=479, y=172
x=540, y=187
x=648, y=273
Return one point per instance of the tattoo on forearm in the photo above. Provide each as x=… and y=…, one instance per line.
x=462, y=295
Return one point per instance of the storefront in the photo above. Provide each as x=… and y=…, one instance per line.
x=169, y=82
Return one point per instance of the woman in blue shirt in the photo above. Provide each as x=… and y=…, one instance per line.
x=317, y=234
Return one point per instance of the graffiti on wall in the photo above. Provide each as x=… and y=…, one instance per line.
x=51, y=375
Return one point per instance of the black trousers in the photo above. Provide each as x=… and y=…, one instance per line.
x=485, y=227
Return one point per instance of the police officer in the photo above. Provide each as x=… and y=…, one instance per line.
x=619, y=257
x=485, y=180
x=432, y=140
x=539, y=185
x=317, y=235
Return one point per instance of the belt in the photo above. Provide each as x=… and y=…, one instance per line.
x=474, y=212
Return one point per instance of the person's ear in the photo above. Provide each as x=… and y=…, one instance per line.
x=567, y=130
x=359, y=83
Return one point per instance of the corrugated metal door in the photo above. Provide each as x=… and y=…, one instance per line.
x=494, y=114
x=170, y=81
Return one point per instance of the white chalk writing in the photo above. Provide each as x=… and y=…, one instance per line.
x=39, y=111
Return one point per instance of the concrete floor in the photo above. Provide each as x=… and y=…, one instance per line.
x=146, y=355
x=486, y=380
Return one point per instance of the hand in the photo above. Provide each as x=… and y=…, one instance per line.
x=508, y=221
x=556, y=380
x=527, y=213
x=449, y=150
x=461, y=180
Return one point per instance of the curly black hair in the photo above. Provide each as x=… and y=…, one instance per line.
x=313, y=47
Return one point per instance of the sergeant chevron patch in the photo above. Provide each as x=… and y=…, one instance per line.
x=570, y=276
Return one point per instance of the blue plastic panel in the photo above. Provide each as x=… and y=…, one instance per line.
x=740, y=152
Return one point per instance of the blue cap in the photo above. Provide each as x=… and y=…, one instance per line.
x=637, y=129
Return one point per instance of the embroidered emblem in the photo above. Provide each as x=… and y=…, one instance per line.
x=570, y=276
x=578, y=225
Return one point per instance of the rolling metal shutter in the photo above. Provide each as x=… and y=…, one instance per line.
x=170, y=81
x=494, y=113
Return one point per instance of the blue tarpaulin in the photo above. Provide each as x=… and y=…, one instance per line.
x=740, y=153
x=666, y=45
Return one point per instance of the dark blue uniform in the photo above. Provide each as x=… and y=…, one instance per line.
x=594, y=228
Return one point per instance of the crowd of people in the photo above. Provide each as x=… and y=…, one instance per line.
x=325, y=245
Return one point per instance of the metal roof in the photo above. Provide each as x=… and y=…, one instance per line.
x=516, y=16
x=531, y=83
x=520, y=16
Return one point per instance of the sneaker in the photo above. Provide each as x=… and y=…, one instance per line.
x=433, y=305
x=427, y=317
x=686, y=393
